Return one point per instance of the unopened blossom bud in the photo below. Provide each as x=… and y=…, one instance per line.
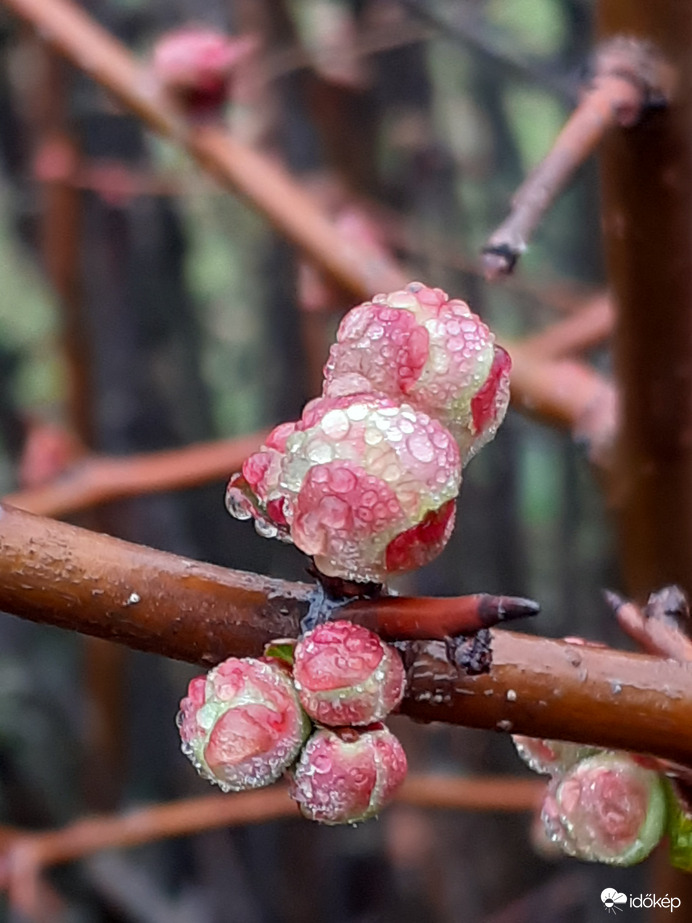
x=242, y=724
x=346, y=674
x=363, y=484
x=347, y=775
x=194, y=65
x=606, y=809
x=550, y=756
x=419, y=346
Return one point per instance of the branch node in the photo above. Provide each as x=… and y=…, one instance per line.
x=628, y=78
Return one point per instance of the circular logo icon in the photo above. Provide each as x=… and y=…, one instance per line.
x=612, y=898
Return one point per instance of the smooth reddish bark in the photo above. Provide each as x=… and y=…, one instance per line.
x=58, y=574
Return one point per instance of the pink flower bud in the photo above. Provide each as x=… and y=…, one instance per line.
x=242, y=724
x=362, y=484
x=607, y=809
x=346, y=674
x=194, y=64
x=550, y=756
x=420, y=346
x=345, y=776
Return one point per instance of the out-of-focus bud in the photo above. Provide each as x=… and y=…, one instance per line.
x=242, y=725
x=194, y=65
x=345, y=775
x=345, y=674
x=550, y=756
x=606, y=809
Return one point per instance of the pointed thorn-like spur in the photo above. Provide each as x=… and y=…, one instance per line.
x=397, y=618
x=495, y=609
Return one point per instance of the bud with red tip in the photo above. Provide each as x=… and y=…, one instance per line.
x=607, y=808
x=363, y=484
x=242, y=724
x=194, y=65
x=345, y=674
x=419, y=346
x=346, y=775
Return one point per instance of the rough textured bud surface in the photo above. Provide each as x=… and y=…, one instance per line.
x=550, y=756
x=346, y=674
x=607, y=809
x=419, y=346
x=361, y=483
x=345, y=776
x=242, y=724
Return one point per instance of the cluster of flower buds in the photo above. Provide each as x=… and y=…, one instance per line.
x=365, y=481
x=313, y=711
x=600, y=805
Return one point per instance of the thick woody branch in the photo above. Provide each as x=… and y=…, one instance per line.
x=58, y=574
x=626, y=80
x=101, y=479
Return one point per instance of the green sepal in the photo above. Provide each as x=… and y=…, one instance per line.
x=282, y=649
x=679, y=829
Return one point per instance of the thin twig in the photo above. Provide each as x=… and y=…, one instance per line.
x=624, y=84
x=208, y=812
x=586, y=328
x=568, y=394
x=467, y=28
x=421, y=241
x=652, y=632
x=375, y=40
x=102, y=479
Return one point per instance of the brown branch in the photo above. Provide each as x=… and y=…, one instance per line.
x=568, y=394
x=24, y=855
x=58, y=574
x=586, y=328
x=625, y=81
x=652, y=630
x=101, y=479
x=194, y=815
x=420, y=241
x=461, y=793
